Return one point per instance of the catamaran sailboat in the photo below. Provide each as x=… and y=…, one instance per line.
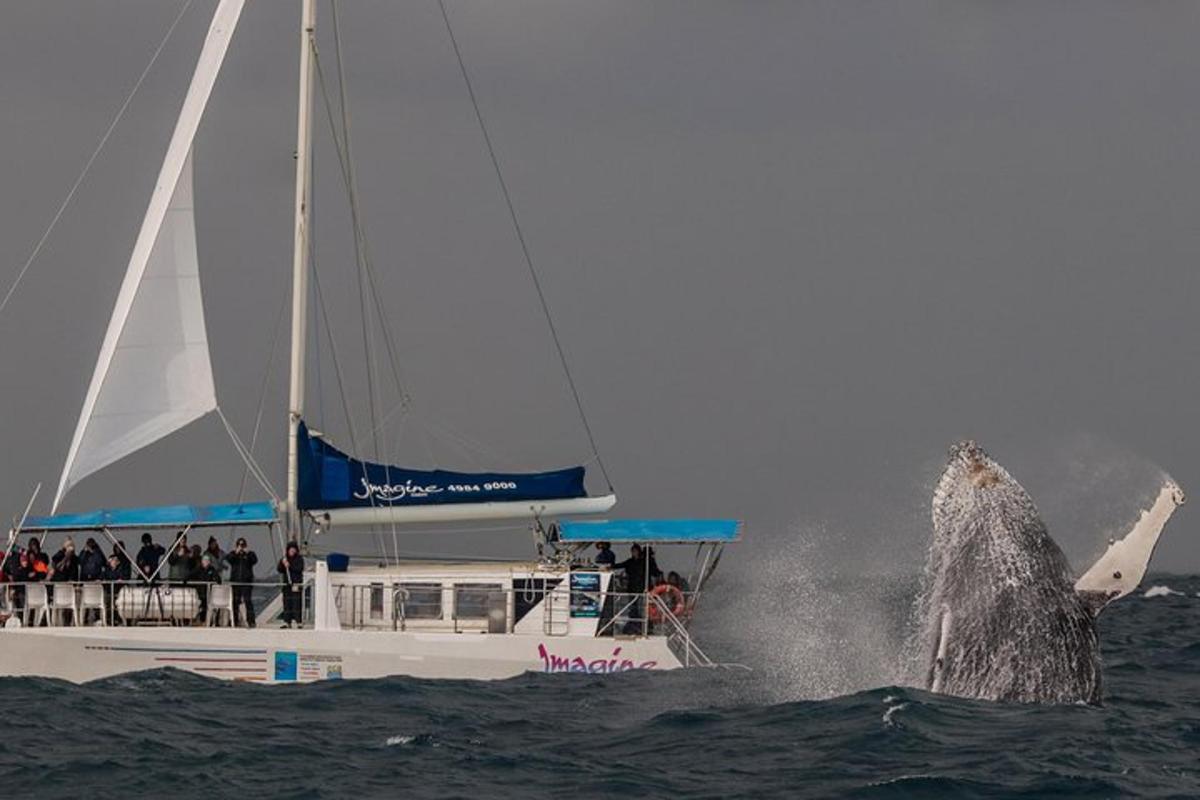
x=557, y=611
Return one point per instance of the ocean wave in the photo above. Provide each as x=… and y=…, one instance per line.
x=686, y=733
x=1161, y=590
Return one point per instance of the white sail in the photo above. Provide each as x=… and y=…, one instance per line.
x=154, y=375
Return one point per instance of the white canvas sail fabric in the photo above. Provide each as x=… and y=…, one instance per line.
x=154, y=375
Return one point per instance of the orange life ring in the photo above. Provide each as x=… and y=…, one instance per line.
x=678, y=604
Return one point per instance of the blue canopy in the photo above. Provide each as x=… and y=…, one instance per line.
x=262, y=513
x=650, y=530
x=331, y=479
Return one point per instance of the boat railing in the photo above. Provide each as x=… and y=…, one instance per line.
x=482, y=608
x=549, y=610
x=139, y=602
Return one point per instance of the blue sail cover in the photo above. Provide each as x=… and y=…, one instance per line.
x=650, y=530
x=259, y=513
x=331, y=479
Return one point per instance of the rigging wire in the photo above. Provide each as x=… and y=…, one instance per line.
x=359, y=258
x=512, y=211
x=376, y=295
x=88, y=166
x=262, y=397
x=251, y=464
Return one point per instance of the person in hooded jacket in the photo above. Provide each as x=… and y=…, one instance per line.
x=121, y=570
x=241, y=574
x=22, y=573
x=64, y=566
x=291, y=567
x=38, y=561
x=91, y=562
x=149, y=556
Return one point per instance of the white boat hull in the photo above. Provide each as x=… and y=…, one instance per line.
x=299, y=656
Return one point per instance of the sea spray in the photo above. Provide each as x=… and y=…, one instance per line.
x=809, y=629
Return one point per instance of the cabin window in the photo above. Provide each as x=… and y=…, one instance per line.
x=423, y=600
x=376, y=601
x=474, y=600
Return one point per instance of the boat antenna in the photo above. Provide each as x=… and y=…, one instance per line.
x=537, y=284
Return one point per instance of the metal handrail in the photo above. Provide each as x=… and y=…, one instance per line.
x=366, y=608
x=164, y=600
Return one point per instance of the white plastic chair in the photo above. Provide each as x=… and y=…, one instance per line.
x=91, y=598
x=37, y=603
x=220, y=598
x=63, y=600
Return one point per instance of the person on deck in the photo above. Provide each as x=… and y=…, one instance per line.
x=64, y=566
x=678, y=581
x=122, y=571
x=91, y=562
x=11, y=559
x=638, y=567
x=605, y=557
x=22, y=573
x=207, y=576
x=241, y=574
x=149, y=556
x=217, y=555
x=179, y=564
x=37, y=559
x=116, y=571
x=291, y=567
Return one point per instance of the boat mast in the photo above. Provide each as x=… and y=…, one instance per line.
x=308, y=24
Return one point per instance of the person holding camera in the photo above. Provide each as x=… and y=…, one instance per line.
x=241, y=576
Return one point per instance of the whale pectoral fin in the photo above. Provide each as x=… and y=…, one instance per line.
x=1119, y=571
x=937, y=664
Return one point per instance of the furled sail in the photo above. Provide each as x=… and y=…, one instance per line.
x=154, y=375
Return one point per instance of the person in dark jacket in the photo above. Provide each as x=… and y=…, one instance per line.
x=638, y=567
x=179, y=564
x=291, y=567
x=241, y=574
x=22, y=573
x=91, y=562
x=149, y=556
x=121, y=570
x=116, y=571
x=605, y=557
x=206, y=576
x=10, y=561
x=64, y=566
x=38, y=560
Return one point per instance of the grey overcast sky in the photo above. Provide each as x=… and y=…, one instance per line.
x=794, y=249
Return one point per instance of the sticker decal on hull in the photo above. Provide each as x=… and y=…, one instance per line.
x=286, y=664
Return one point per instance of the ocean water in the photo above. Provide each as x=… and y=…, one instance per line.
x=772, y=731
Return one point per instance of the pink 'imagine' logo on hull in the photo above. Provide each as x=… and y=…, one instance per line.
x=599, y=666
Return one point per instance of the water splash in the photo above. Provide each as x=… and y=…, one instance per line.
x=810, y=631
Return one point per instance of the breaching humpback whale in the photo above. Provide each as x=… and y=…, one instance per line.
x=1001, y=616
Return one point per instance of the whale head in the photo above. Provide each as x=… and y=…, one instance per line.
x=975, y=489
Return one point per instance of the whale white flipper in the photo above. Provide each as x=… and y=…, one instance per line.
x=1123, y=565
x=939, y=658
